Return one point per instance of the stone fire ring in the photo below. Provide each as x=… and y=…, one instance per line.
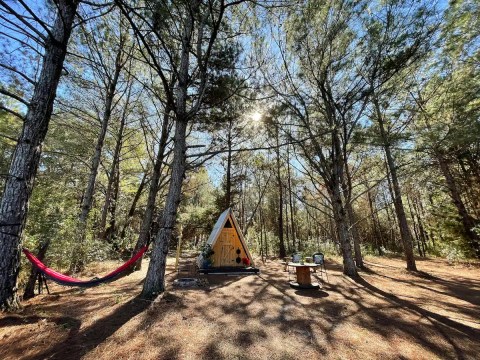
x=186, y=282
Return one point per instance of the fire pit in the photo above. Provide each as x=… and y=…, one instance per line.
x=187, y=282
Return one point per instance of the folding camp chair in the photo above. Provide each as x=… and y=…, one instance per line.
x=296, y=258
x=319, y=259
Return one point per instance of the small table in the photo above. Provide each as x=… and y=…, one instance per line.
x=304, y=280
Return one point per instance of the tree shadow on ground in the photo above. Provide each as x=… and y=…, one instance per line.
x=22, y=334
x=64, y=321
x=467, y=330
x=219, y=281
x=381, y=319
x=466, y=290
x=451, y=331
x=314, y=293
x=79, y=343
x=260, y=316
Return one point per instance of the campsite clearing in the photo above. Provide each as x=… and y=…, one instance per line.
x=387, y=313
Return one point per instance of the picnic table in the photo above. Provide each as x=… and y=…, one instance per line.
x=304, y=280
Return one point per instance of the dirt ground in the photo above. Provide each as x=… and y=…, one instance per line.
x=387, y=313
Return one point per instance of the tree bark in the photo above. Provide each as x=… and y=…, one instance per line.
x=341, y=224
x=112, y=186
x=355, y=236
x=282, y=252
x=113, y=177
x=261, y=220
x=291, y=203
x=290, y=247
x=110, y=231
x=261, y=193
x=133, y=207
x=467, y=221
x=25, y=160
x=107, y=113
x=144, y=235
x=32, y=279
x=405, y=234
x=347, y=189
x=155, y=279
x=417, y=205
x=415, y=227
x=472, y=197
x=339, y=202
x=228, y=182
x=390, y=217
x=375, y=225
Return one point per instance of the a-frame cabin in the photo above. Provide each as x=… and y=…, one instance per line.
x=228, y=244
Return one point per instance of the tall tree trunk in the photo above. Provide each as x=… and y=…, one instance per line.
x=144, y=235
x=243, y=213
x=355, y=236
x=390, y=217
x=341, y=224
x=133, y=207
x=23, y=167
x=339, y=202
x=282, y=252
x=472, y=199
x=376, y=226
x=438, y=225
x=111, y=194
x=113, y=178
x=467, y=221
x=108, y=198
x=112, y=209
x=333, y=233
x=262, y=251
x=258, y=204
x=405, y=234
x=228, y=182
x=290, y=247
x=95, y=161
x=415, y=226
x=400, y=211
x=347, y=189
x=417, y=205
x=155, y=279
x=291, y=203
x=264, y=231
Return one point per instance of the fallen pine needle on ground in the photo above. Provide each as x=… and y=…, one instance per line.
x=386, y=313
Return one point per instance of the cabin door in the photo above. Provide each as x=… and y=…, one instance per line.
x=227, y=247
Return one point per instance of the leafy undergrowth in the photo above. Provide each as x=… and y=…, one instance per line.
x=386, y=313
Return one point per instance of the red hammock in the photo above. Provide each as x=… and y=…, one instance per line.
x=70, y=281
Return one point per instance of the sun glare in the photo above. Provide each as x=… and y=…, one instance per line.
x=256, y=116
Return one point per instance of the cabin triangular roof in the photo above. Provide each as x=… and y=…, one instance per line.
x=219, y=225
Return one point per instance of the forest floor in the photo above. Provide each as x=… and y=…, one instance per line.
x=386, y=313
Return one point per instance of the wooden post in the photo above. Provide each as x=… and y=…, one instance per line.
x=179, y=246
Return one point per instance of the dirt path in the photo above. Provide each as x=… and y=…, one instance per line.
x=386, y=313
